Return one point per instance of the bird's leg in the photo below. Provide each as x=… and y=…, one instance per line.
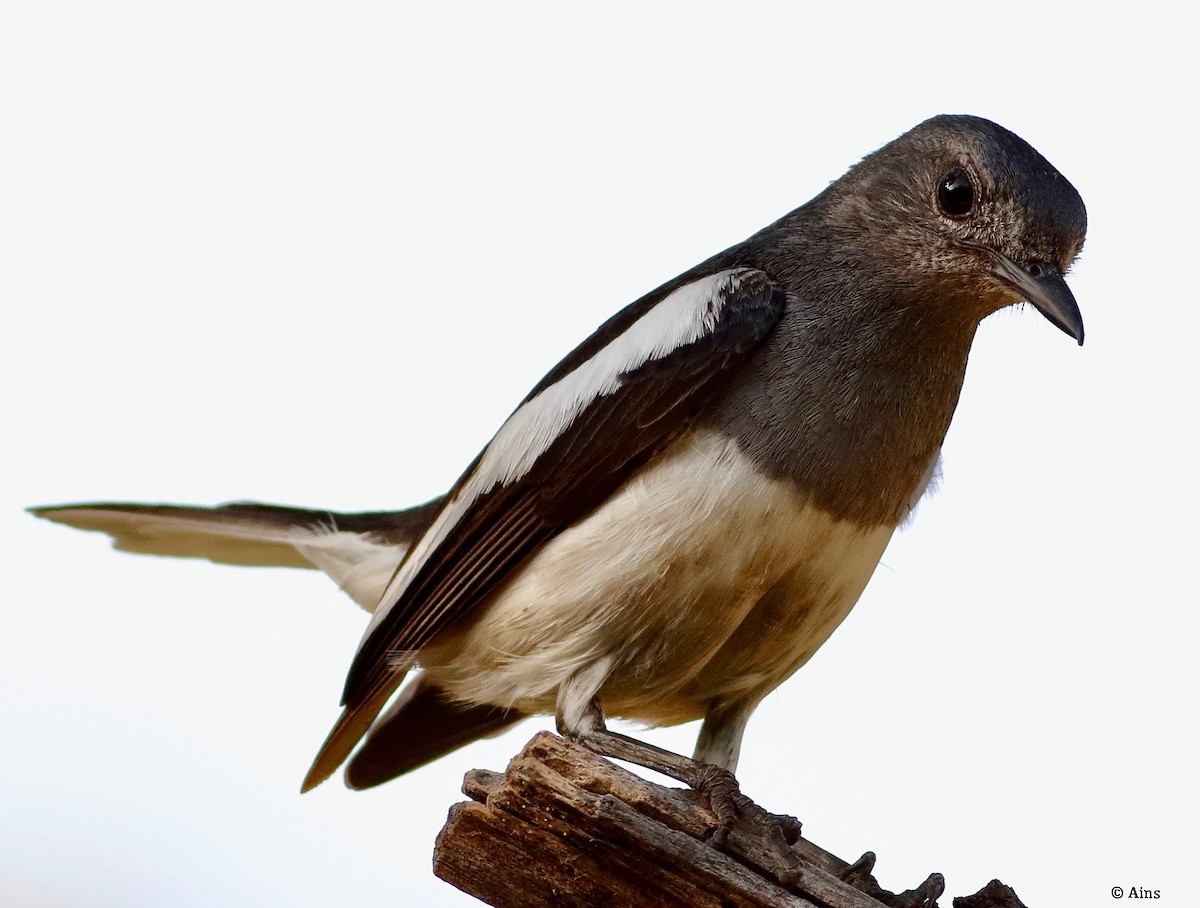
x=720, y=743
x=715, y=782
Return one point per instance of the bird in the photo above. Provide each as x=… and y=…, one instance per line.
x=685, y=508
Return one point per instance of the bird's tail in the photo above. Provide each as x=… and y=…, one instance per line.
x=421, y=726
x=359, y=551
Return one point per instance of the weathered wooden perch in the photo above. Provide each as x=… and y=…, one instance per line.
x=565, y=827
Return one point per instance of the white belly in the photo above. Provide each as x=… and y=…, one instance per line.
x=660, y=581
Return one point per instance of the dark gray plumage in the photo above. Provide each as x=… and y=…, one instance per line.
x=687, y=505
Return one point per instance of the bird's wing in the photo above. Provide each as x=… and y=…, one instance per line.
x=359, y=551
x=601, y=414
x=421, y=725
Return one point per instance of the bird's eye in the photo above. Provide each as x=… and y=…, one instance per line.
x=956, y=195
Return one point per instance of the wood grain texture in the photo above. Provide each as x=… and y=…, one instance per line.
x=563, y=826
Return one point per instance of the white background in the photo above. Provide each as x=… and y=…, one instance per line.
x=314, y=254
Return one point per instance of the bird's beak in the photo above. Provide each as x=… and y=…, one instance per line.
x=1045, y=288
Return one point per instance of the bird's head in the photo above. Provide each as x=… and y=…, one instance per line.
x=973, y=207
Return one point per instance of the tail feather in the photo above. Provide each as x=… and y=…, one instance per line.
x=351, y=725
x=359, y=551
x=421, y=726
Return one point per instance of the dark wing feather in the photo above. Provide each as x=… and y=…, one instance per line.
x=420, y=726
x=614, y=434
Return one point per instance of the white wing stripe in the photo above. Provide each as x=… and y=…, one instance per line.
x=677, y=320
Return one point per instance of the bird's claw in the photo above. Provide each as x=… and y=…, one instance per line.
x=725, y=798
x=789, y=827
x=728, y=804
x=859, y=871
x=789, y=876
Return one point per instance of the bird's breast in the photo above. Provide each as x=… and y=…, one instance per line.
x=700, y=575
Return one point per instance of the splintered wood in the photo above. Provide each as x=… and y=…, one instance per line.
x=565, y=827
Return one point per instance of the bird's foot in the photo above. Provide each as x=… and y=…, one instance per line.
x=725, y=798
x=732, y=808
x=714, y=783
